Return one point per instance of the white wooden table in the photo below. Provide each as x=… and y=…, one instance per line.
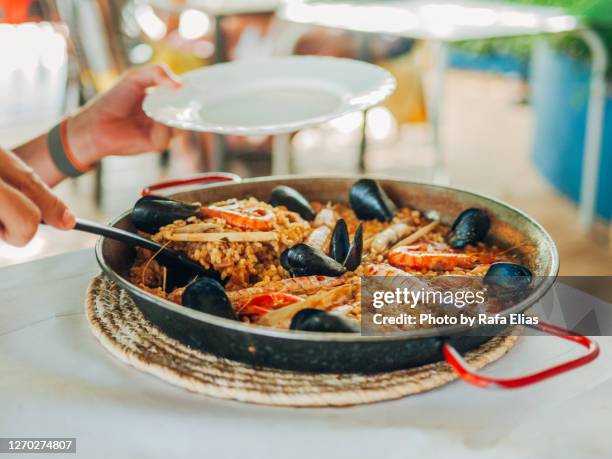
x=56, y=380
x=444, y=22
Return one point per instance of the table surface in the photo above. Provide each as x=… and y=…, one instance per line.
x=445, y=21
x=58, y=381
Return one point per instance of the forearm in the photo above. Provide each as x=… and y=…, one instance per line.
x=36, y=154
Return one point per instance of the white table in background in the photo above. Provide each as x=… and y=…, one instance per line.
x=56, y=380
x=452, y=21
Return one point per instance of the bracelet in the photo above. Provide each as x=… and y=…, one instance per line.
x=61, y=154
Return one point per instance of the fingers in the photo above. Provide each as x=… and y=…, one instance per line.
x=155, y=75
x=19, y=216
x=22, y=179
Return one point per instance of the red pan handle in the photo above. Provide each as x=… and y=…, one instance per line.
x=460, y=366
x=206, y=177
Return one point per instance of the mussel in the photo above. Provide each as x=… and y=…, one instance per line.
x=508, y=283
x=340, y=243
x=207, y=295
x=150, y=213
x=369, y=201
x=304, y=260
x=353, y=258
x=507, y=275
x=471, y=226
x=315, y=320
x=293, y=200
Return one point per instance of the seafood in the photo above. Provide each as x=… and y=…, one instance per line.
x=265, y=302
x=507, y=275
x=285, y=265
x=292, y=200
x=305, y=260
x=236, y=214
x=319, y=237
x=370, y=202
x=303, y=285
x=207, y=295
x=414, y=257
x=150, y=213
x=325, y=217
x=353, y=258
x=315, y=320
x=389, y=236
x=324, y=300
x=340, y=243
x=471, y=226
x=418, y=234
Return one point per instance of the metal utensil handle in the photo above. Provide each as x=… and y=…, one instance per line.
x=164, y=254
x=206, y=177
x=460, y=366
x=116, y=234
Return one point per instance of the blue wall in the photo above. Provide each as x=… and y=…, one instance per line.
x=497, y=63
x=559, y=87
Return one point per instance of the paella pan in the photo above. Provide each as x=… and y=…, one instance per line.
x=289, y=256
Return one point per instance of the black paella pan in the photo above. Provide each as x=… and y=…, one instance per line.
x=341, y=352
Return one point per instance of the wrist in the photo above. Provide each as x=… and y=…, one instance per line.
x=79, y=133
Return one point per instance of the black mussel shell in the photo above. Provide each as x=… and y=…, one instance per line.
x=293, y=200
x=315, y=320
x=304, y=260
x=369, y=201
x=207, y=295
x=340, y=243
x=353, y=258
x=471, y=226
x=507, y=275
x=150, y=213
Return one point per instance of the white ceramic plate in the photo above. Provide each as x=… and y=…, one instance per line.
x=270, y=96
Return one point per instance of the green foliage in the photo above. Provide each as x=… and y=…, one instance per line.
x=596, y=13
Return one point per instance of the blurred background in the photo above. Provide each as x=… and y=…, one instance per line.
x=502, y=112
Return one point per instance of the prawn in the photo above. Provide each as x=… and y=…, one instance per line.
x=265, y=302
x=250, y=218
x=295, y=285
x=433, y=259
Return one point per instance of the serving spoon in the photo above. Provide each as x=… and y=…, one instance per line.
x=181, y=269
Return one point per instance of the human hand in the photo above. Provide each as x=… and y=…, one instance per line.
x=25, y=201
x=114, y=124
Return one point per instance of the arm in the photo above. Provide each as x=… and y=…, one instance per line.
x=111, y=124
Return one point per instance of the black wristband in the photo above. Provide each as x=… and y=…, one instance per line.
x=58, y=153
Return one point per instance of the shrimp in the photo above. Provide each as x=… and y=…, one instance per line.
x=325, y=217
x=393, y=278
x=319, y=237
x=297, y=285
x=323, y=224
x=389, y=236
x=264, y=303
x=410, y=257
x=234, y=213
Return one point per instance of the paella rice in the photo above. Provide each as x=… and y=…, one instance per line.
x=278, y=266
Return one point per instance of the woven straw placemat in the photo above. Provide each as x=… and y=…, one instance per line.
x=124, y=332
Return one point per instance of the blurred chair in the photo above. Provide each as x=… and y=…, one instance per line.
x=95, y=31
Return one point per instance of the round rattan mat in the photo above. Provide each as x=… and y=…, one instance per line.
x=124, y=332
